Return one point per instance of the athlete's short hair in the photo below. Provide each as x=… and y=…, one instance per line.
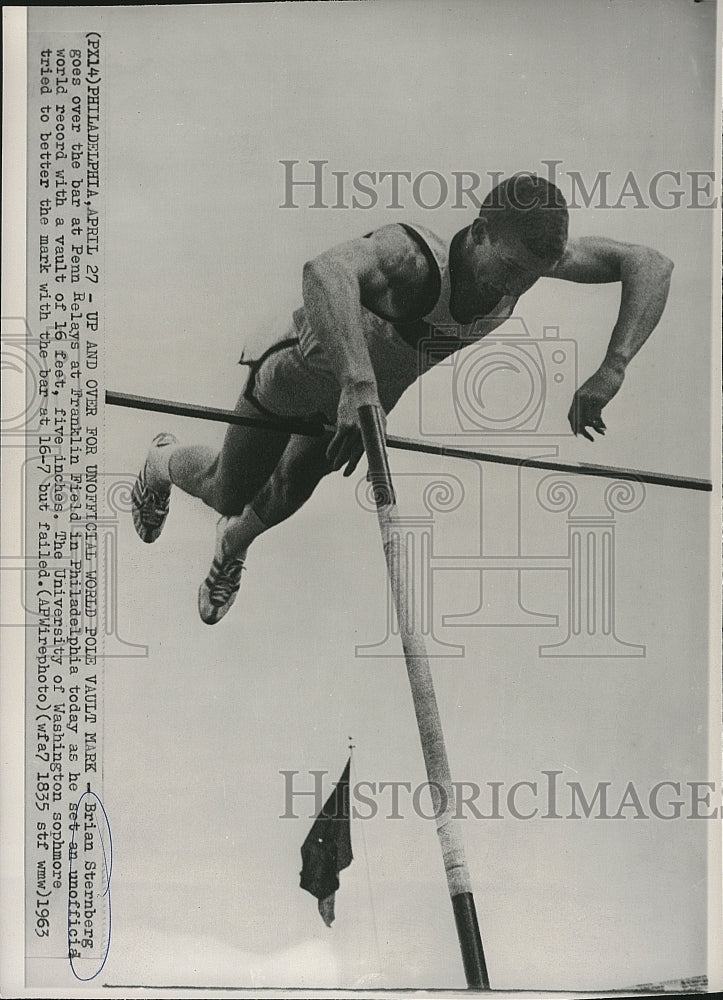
x=533, y=208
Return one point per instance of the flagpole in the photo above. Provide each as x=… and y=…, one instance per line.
x=425, y=704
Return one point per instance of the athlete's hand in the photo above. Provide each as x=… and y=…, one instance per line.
x=346, y=447
x=591, y=397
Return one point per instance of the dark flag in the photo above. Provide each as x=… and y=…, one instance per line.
x=327, y=848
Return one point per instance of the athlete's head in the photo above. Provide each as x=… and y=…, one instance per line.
x=521, y=231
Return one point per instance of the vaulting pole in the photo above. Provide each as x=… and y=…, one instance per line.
x=316, y=429
x=425, y=703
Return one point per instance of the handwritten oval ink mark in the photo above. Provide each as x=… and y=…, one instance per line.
x=91, y=842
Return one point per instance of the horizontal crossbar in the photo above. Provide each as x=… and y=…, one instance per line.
x=316, y=429
x=306, y=428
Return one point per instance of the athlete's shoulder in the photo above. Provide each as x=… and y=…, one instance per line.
x=392, y=255
x=434, y=242
x=408, y=251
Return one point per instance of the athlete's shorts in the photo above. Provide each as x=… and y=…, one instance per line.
x=292, y=377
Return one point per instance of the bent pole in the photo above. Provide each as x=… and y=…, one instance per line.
x=317, y=429
x=425, y=703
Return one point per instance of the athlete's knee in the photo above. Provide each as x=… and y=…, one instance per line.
x=221, y=494
x=304, y=467
x=292, y=487
x=227, y=505
x=295, y=479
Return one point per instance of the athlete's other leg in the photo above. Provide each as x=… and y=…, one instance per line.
x=227, y=479
x=299, y=470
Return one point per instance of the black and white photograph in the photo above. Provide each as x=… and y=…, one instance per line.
x=361, y=499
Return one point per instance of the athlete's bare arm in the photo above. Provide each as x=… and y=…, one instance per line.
x=645, y=277
x=383, y=271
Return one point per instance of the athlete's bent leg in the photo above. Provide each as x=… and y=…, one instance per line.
x=298, y=472
x=227, y=479
x=300, y=468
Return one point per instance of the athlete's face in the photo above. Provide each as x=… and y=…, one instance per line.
x=506, y=264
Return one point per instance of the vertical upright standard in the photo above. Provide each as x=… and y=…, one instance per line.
x=425, y=704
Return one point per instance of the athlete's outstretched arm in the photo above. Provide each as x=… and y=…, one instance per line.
x=336, y=285
x=645, y=277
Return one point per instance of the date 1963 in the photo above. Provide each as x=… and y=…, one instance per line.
x=49, y=837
